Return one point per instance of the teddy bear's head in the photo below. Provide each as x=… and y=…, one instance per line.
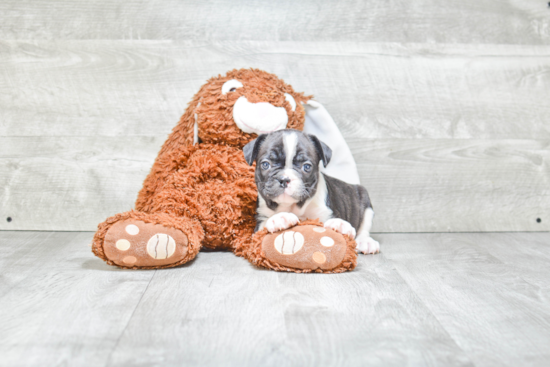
x=235, y=108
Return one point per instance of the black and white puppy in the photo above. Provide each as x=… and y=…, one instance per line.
x=291, y=188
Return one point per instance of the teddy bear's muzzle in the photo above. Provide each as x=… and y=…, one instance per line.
x=258, y=118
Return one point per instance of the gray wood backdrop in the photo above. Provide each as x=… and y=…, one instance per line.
x=445, y=105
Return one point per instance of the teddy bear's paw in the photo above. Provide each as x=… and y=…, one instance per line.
x=132, y=243
x=307, y=247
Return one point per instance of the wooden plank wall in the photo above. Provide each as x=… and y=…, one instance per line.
x=445, y=104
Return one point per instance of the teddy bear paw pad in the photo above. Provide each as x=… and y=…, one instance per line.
x=305, y=247
x=130, y=243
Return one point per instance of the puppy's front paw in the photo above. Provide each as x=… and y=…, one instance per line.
x=341, y=226
x=281, y=221
x=367, y=245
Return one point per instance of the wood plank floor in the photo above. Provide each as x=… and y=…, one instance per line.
x=427, y=299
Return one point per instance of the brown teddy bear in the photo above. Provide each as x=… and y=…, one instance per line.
x=201, y=192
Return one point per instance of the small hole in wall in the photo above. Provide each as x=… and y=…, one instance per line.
x=538, y=220
x=8, y=219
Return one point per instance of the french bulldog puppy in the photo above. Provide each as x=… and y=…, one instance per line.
x=291, y=188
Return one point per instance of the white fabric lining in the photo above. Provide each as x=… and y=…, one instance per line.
x=319, y=123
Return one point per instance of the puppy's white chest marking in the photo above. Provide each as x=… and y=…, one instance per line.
x=313, y=208
x=316, y=207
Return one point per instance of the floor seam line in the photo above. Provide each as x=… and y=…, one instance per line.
x=129, y=320
x=431, y=312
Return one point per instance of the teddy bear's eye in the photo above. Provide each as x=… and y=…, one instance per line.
x=231, y=86
x=265, y=165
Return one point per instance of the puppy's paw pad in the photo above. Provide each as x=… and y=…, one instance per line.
x=281, y=221
x=340, y=226
x=367, y=245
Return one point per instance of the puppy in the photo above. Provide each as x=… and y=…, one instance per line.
x=291, y=188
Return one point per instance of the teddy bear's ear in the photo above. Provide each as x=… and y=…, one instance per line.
x=251, y=149
x=320, y=123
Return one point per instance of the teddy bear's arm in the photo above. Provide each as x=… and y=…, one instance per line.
x=167, y=161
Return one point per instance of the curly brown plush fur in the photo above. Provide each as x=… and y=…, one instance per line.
x=207, y=190
x=258, y=258
x=215, y=121
x=193, y=230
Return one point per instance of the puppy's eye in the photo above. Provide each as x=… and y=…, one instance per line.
x=265, y=165
x=307, y=167
x=233, y=89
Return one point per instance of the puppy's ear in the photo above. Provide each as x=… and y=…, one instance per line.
x=251, y=149
x=323, y=150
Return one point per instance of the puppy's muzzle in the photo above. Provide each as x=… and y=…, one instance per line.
x=283, y=181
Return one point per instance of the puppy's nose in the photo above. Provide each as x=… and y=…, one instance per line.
x=284, y=181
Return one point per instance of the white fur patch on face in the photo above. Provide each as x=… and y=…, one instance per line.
x=290, y=141
x=258, y=118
